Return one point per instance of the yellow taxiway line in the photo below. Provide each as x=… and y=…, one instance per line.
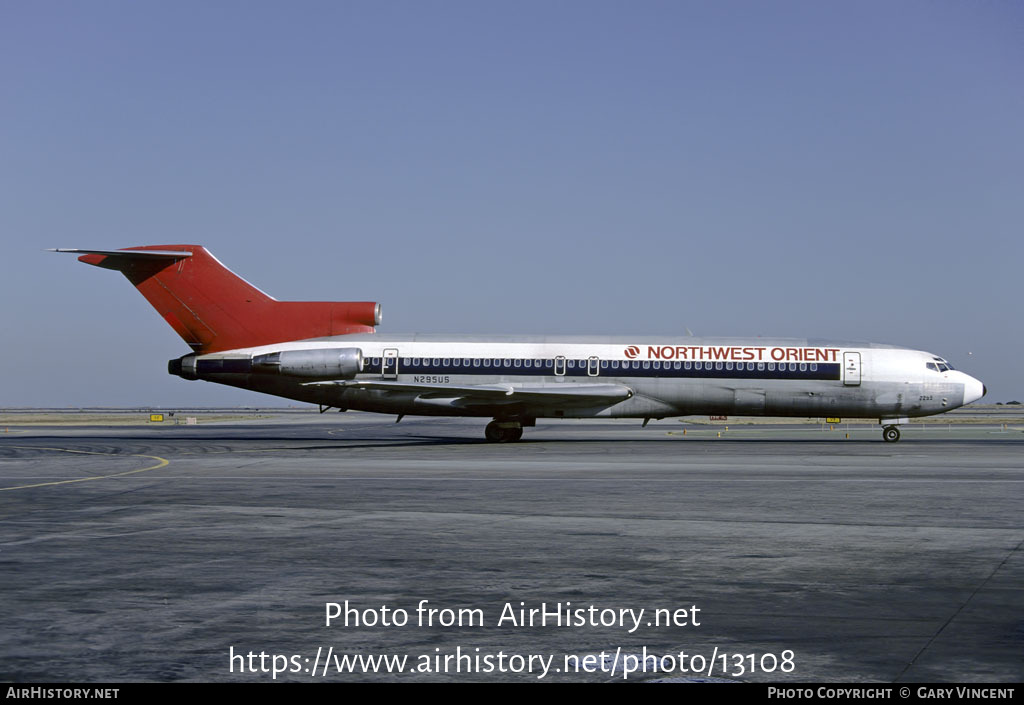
x=163, y=463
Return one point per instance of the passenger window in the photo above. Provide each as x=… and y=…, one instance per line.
x=728, y=365
x=718, y=365
x=517, y=362
x=447, y=361
x=760, y=366
x=656, y=364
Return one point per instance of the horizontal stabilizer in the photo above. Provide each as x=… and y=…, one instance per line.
x=134, y=254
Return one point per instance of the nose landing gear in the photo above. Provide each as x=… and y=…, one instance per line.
x=891, y=434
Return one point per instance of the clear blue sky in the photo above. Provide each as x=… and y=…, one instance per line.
x=852, y=171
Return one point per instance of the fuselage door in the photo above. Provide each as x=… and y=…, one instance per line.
x=593, y=366
x=851, y=369
x=560, y=365
x=389, y=366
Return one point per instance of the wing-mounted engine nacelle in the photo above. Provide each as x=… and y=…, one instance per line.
x=320, y=363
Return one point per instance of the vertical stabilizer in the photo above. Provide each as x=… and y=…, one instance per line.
x=213, y=309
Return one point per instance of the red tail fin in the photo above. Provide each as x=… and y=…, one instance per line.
x=213, y=309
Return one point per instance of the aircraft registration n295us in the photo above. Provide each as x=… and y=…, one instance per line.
x=328, y=353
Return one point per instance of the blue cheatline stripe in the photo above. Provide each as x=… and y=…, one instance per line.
x=636, y=368
x=573, y=368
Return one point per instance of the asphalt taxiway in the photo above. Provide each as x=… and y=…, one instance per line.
x=155, y=553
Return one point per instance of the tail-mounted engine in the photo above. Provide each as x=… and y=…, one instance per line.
x=323, y=363
x=319, y=363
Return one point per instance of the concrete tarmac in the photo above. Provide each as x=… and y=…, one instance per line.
x=782, y=554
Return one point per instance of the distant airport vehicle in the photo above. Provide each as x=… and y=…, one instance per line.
x=328, y=353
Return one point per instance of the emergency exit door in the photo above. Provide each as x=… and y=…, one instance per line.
x=389, y=364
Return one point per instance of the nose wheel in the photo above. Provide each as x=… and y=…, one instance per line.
x=503, y=431
x=891, y=434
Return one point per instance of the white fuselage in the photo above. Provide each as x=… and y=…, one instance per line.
x=662, y=377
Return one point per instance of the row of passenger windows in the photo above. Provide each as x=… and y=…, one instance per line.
x=605, y=364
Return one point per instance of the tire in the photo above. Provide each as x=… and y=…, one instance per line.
x=502, y=434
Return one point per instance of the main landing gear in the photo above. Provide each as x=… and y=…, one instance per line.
x=503, y=431
x=891, y=434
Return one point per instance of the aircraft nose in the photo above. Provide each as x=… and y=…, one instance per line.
x=973, y=390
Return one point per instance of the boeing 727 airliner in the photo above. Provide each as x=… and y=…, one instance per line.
x=329, y=353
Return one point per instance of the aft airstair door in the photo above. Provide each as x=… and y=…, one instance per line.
x=851, y=369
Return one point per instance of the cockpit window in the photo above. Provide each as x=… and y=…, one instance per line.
x=932, y=366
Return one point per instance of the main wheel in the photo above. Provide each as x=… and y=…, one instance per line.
x=493, y=432
x=503, y=432
x=891, y=434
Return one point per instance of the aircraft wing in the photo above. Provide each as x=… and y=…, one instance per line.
x=571, y=394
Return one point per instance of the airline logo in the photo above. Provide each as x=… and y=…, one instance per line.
x=733, y=353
